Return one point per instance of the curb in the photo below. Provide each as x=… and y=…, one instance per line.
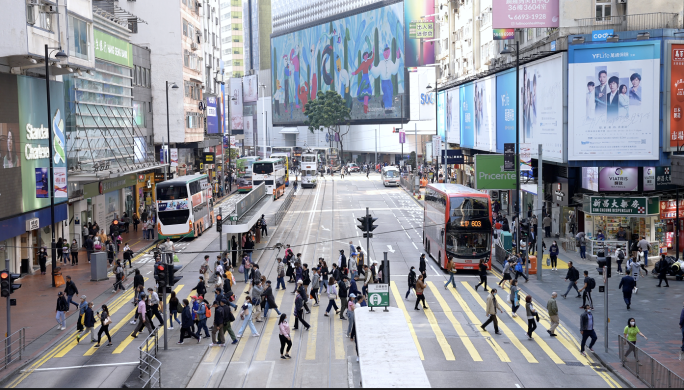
x=411, y=195
x=613, y=371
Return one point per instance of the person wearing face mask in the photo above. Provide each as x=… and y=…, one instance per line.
x=631, y=331
x=411, y=281
x=492, y=307
x=587, y=329
x=553, y=253
x=201, y=288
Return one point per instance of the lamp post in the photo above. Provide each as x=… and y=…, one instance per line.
x=168, y=131
x=507, y=50
x=51, y=194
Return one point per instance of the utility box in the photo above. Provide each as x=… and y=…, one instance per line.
x=98, y=266
x=507, y=240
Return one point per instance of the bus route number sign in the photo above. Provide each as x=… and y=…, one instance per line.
x=378, y=295
x=471, y=223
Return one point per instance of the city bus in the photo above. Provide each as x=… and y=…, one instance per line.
x=309, y=169
x=457, y=223
x=185, y=207
x=271, y=172
x=288, y=166
x=244, y=173
x=390, y=176
x=333, y=159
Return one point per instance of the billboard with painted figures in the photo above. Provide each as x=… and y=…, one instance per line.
x=360, y=56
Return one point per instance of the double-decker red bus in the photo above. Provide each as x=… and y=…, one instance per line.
x=457, y=223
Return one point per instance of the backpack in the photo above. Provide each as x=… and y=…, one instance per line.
x=591, y=284
x=207, y=311
x=621, y=254
x=203, y=269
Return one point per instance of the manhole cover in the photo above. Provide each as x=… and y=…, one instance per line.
x=578, y=364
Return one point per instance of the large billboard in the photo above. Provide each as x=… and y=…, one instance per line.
x=490, y=173
x=420, y=28
x=675, y=99
x=467, y=116
x=250, y=88
x=541, y=107
x=236, y=119
x=484, y=110
x=505, y=109
x=212, y=116
x=614, y=101
x=360, y=56
x=453, y=116
x=525, y=13
x=441, y=115
x=10, y=149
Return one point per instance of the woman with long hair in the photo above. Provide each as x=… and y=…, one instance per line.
x=531, y=315
x=11, y=160
x=284, y=336
x=105, y=321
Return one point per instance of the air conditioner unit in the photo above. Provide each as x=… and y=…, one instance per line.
x=194, y=46
x=49, y=9
x=33, y=2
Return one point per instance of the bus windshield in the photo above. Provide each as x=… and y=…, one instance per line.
x=389, y=173
x=309, y=158
x=261, y=168
x=468, y=243
x=172, y=192
x=469, y=213
x=175, y=217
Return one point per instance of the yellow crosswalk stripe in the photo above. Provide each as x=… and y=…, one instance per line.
x=503, y=356
x=511, y=336
x=338, y=336
x=402, y=307
x=42, y=361
x=457, y=326
x=270, y=326
x=160, y=333
x=312, y=336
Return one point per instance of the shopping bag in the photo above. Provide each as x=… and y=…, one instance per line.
x=176, y=259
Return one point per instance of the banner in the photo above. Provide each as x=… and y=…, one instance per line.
x=484, y=110
x=604, y=205
x=676, y=98
x=402, y=137
x=174, y=157
x=112, y=49
x=614, y=101
x=505, y=110
x=453, y=116
x=590, y=178
x=526, y=157
x=249, y=131
x=212, y=117
x=436, y=146
x=618, y=179
x=236, y=119
x=60, y=182
x=490, y=173
x=467, y=115
x=441, y=115
x=250, y=88
x=525, y=14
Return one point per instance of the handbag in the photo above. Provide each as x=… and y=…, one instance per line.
x=241, y=269
x=107, y=321
x=332, y=296
x=634, y=290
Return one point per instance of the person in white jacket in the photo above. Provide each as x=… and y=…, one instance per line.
x=385, y=69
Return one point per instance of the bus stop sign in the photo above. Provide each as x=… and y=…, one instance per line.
x=378, y=295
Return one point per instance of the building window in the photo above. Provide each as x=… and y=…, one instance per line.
x=185, y=27
x=45, y=21
x=186, y=58
x=78, y=38
x=30, y=14
x=603, y=8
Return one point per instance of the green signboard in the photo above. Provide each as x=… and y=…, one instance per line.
x=378, y=295
x=421, y=30
x=102, y=187
x=490, y=174
x=113, y=49
x=637, y=206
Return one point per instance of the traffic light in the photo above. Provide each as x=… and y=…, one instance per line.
x=524, y=228
x=219, y=222
x=363, y=225
x=14, y=286
x=367, y=225
x=161, y=277
x=370, y=222
x=173, y=279
x=5, y=284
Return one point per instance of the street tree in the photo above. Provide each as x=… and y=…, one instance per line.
x=329, y=113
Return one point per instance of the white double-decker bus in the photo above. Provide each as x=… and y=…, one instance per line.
x=185, y=207
x=309, y=169
x=271, y=172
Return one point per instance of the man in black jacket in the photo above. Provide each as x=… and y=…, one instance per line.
x=422, y=266
x=627, y=284
x=70, y=290
x=200, y=288
x=88, y=324
x=90, y=246
x=267, y=296
x=305, y=296
x=218, y=325
x=573, y=277
x=342, y=293
x=587, y=329
x=138, y=280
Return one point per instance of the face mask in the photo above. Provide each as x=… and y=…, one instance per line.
x=632, y=323
x=588, y=310
x=493, y=293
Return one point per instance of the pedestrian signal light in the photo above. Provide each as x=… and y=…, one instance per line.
x=14, y=286
x=162, y=277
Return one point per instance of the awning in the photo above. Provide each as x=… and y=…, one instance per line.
x=289, y=130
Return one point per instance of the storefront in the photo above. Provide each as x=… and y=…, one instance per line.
x=564, y=217
x=107, y=200
x=629, y=217
x=665, y=228
x=145, y=194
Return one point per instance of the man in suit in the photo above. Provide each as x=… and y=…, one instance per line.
x=612, y=101
x=627, y=285
x=601, y=91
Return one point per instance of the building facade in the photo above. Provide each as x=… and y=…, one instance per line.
x=232, y=38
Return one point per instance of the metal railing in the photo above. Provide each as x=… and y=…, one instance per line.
x=409, y=182
x=250, y=200
x=637, y=22
x=280, y=214
x=650, y=371
x=15, y=345
x=149, y=368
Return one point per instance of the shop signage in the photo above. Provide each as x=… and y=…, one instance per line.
x=209, y=158
x=503, y=33
x=618, y=179
x=98, y=188
x=509, y=157
x=158, y=177
x=676, y=96
x=663, y=179
x=668, y=209
x=525, y=14
x=421, y=29
x=623, y=205
x=112, y=49
x=600, y=35
x=560, y=194
x=490, y=173
x=649, y=178
x=32, y=224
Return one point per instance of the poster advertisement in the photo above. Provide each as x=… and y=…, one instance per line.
x=618, y=179
x=436, y=147
x=525, y=157
x=484, y=106
x=525, y=14
x=60, y=182
x=590, y=178
x=250, y=89
x=42, y=183
x=236, y=104
x=419, y=52
x=676, y=95
x=441, y=115
x=614, y=96
x=453, y=116
x=212, y=117
x=174, y=157
x=249, y=131
x=505, y=110
x=490, y=173
x=467, y=112
x=426, y=98
x=541, y=107
x=649, y=178
x=360, y=56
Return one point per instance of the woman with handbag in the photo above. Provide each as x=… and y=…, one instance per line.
x=531, y=316
x=174, y=308
x=105, y=320
x=284, y=336
x=245, y=267
x=246, y=317
x=332, y=295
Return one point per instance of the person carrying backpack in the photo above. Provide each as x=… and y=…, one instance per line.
x=589, y=284
x=519, y=271
x=620, y=256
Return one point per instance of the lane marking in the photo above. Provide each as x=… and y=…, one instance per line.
x=86, y=366
x=311, y=342
x=338, y=336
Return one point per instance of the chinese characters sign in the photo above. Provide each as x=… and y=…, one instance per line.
x=421, y=30
x=623, y=206
x=503, y=33
x=525, y=13
x=668, y=209
x=112, y=49
x=676, y=96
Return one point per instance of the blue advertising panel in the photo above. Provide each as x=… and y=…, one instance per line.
x=505, y=109
x=441, y=114
x=453, y=116
x=467, y=116
x=212, y=116
x=361, y=57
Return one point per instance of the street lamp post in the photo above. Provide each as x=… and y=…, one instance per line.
x=51, y=194
x=168, y=131
x=507, y=50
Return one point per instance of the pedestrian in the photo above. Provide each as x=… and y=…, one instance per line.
x=627, y=284
x=515, y=297
x=233, y=250
x=532, y=316
x=360, y=261
x=145, y=321
x=105, y=321
x=70, y=290
x=63, y=308
x=299, y=312
x=573, y=277
x=583, y=245
x=246, y=317
x=219, y=317
x=483, y=275
x=245, y=267
x=620, y=257
x=138, y=281
x=66, y=250
x=546, y=222
x=201, y=288
x=82, y=307
x=119, y=275
x=422, y=266
x=645, y=247
x=186, y=324
x=411, y=281
x=74, y=253
x=280, y=272
x=506, y=273
x=633, y=269
x=267, y=296
x=228, y=320
x=368, y=279
x=350, y=313
x=344, y=294
x=332, y=296
x=589, y=284
x=552, y=309
x=127, y=256
x=490, y=311
x=174, y=308
x=284, y=336
x=553, y=254
x=662, y=271
x=42, y=260
x=325, y=274
x=256, y=293
x=518, y=267
x=111, y=252
x=631, y=331
x=420, y=289
x=451, y=268
x=587, y=329
x=264, y=226
x=155, y=306
x=642, y=259
x=315, y=285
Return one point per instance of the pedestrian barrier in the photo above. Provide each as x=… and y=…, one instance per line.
x=650, y=371
x=15, y=345
x=149, y=368
x=280, y=214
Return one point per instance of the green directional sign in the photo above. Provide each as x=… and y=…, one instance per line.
x=378, y=295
